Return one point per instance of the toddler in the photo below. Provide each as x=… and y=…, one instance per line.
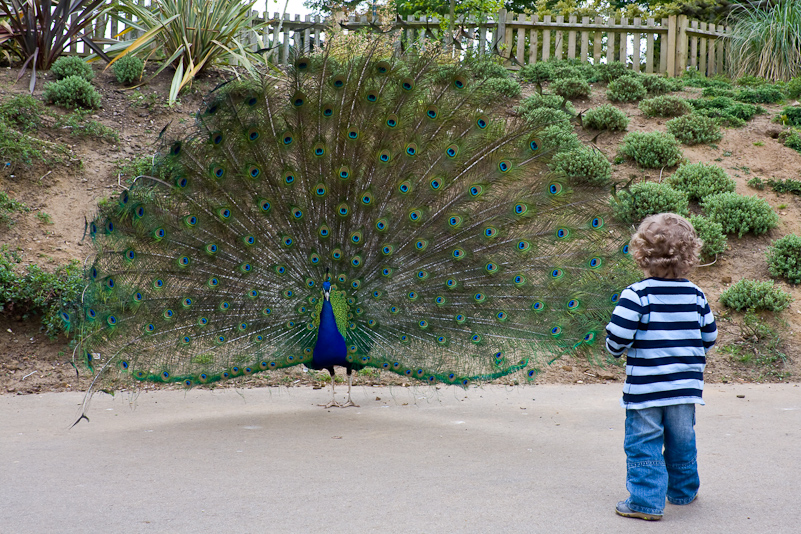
x=665, y=323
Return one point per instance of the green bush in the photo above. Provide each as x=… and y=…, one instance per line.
x=72, y=92
x=652, y=150
x=757, y=183
x=665, y=106
x=767, y=94
x=648, y=198
x=9, y=207
x=501, y=86
x=740, y=214
x=694, y=129
x=489, y=69
x=656, y=85
x=750, y=81
x=711, y=233
x=537, y=101
x=37, y=292
x=542, y=71
x=571, y=88
x=128, y=69
x=784, y=258
x=605, y=117
x=718, y=92
x=699, y=180
x=563, y=72
x=786, y=186
x=755, y=295
x=612, y=71
x=791, y=115
x=794, y=87
x=725, y=111
x=67, y=66
x=625, y=89
x=583, y=165
x=791, y=139
x=696, y=79
x=23, y=112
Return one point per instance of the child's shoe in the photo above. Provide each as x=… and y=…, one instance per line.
x=623, y=509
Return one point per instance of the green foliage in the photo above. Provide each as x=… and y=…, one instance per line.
x=665, y=106
x=605, y=117
x=784, y=258
x=655, y=84
x=791, y=115
x=625, y=89
x=711, y=233
x=489, y=68
x=45, y=32
x=786, y=186
x=755, y=295
x=652, y=150
x=765, y=42
x=128, y=69
x=767, y=94
x=191, y=36
x=648, y=198
x=696, y=79
x=537, y=101
x=699, y=180
x=506, y=87
x=72, y=92
x=608, y=72
x=794, y=87
x=23, y=112
x=694, y=129
x=72, y=66
x=725, y=110
x=20, y=148
x=750, y=81
x=716, y=92
x=583, y=165
x=38, y=292
x=740, y=214
x=9, y=207
x=571, y=88
x=80, y=126
x=791, y=139
x=757, y=183
x=542, y=71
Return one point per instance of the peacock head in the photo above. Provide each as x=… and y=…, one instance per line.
x=327, y=289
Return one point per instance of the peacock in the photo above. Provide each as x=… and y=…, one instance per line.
x=372, y=208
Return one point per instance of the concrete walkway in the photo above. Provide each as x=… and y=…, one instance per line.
x=543, y=459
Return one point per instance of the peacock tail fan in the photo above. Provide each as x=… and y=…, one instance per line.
x=455, y=255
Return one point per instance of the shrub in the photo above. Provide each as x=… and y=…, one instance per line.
x=583, y=165
x=539, y=72
x=9, y=207
x=72, y=92
x=676, y=84
x=66, y=66
x=559, y=136
x=757, y=183
x=726, y=111
x=655, y=85
x=23, y=112
x=786, y=186
x=128, y=69
x=699, y=180
x=652, y=150
x=711, y=233
x=489, y=69
x=537, y=101
x=784, y=258
x=740, y=214
x=648, y=198
x=563, y=72
x=605, y=117
x=693, y=129
x=794, y=87
x=750, y=81
x=612, y=71
x=718, y=92
x=665, y=106
x=625, y=89
x=696, y=79
x=767, y=94
x=755, y=295
x=791, y=115
x=791, y=139
x=501, y=86
x=571, y=88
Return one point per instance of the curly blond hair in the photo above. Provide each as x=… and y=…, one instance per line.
x=666, y=246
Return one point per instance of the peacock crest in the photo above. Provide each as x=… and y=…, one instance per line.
x=450, y=252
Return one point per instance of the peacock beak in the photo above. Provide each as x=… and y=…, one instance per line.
x=326, y=293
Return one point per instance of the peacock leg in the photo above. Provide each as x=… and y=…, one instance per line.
x=350, y=385
x=333, y=393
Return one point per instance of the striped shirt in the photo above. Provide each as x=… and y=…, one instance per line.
x=667, y=327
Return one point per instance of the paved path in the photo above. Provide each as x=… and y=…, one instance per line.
x=530, y=459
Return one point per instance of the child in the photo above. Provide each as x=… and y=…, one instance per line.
x=665, y=323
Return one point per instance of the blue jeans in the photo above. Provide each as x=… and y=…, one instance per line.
x=652, y=475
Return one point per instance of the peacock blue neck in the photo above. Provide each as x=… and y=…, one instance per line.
x=330, y=348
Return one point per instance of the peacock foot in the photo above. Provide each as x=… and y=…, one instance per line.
x=331, y=404
x=349, y=403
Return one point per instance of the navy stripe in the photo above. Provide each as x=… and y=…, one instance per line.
x=667, y=343
x=709, y=328
x=673, y=308
x=633, y=306
x=667, y=290
x=657, y=395
x=666, y=360
x=664, y=325
x=618, y=340
x=668, y=377
x=624, y=323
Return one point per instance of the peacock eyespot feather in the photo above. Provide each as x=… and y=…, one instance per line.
x=563, y=233
x=319, y=150
x=595, y=263
x=338, y=81
x=407, y=84
x=423, y=324
x=110, y=227
x=175, y=149
x=310, y=283
x=168, y=313
x=245, y=267
x=421, y=244
x=181, y=182
x=411, y=149
x=625, y=249
x=451, y=283
x=336, y=254
x=298, y=99
x=367, y=198
x=111, y=320
x=476, y=190
x=91, y=314
x=458, y=253
x=382, y=67
x=555, y=188
x=94, y=273
x=460, y=318
x=328, y=111
x=432, y=112
x=137, y=297
x=320, y=190
x=297, y=213
x=501, y=316
x=190, y=221
x=353, y=134
x=393, y=310
x=476, y=338
x=452, y=151
x=597, y=223
x=212, y=249
x=125, y=364
x=110, y=283
x=479, y=297
x=251, y=101
x=392, y=121
x=165, y=375
x=253, y=293
x=324, y=231
x=159, y=234
x=416, y=216
x=386, y=271
x=557, y=273
x=491, y=267
x=356, y=261
x=216, y=138
x=343, y=209
x=183, y=261
x=287, y=139
x=382, y=225
x=314, y=258
x=505, y=166
x=589, y=338
x=377, y=294
x=242, y=327
x=92, y=228
x=384, y=156
x=187, y=302
x=459, y=82
x=372, y=96
x=253, y=134
x=139, y=212
x=344, y=172
x=203, y=321
x=455, y=221
x=356, y=237
x=436, y=184
x=534, y=145
x=249, y=240
x=614, y=298
x=523, y=246
x=482, y=121
x=490, y=232
x=217, y=171
x=519, y=280
x=213, y=282
x=224, y=306
x=412, y=295
x=150, y=328
x=422, y=274
x=266, y=311
x=520, y=209
x=212, y=109
x=556, y=331
x=405, y=187
x=224, y=213
x=302, y=63
x=356, y=284
x=287, y=241
x=158, y=283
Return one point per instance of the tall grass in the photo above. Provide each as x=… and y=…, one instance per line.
x=766, y=42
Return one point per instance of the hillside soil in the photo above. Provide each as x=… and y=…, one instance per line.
x=30, y=362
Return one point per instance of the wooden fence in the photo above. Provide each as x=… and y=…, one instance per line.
x=671, y=45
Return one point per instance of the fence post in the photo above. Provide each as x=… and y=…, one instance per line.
x=521, y=41
x=671, y=46
x=635, y=39
x=546, y=39
x=533, y=37
x=498, y=38
x=681, y=45
x=597, y=36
